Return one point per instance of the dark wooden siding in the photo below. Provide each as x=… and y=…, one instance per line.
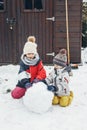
x=28, y=22
x=74, y=13
x=50, y=35
x=7, y=36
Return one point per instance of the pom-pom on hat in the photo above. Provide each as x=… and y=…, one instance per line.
x=31, y=39
x=61, y=58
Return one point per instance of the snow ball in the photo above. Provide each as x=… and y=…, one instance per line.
x=38, y=99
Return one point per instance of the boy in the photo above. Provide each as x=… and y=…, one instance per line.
x=58, y=80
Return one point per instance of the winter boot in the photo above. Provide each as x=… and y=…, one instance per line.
x=18, y=92
x=70, y=97
x=64, y=101
x=71, y=94
x=55, y=100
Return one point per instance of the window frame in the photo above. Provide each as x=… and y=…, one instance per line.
x=3, y=10
x=34, y=9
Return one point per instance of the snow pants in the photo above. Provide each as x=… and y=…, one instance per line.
x=18, y=92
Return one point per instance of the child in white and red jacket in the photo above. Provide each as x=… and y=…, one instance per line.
x=31, y=69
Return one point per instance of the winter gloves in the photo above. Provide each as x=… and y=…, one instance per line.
x=28, y=85
x=25, y=83
x=35, y=80
x=63, y=100
x=52, y=88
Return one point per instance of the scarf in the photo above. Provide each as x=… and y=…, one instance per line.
x=30, y=62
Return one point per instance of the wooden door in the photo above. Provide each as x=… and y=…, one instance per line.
x=8, y=53
x=21, y=18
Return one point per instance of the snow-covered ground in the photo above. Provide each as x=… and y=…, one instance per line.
x=84, y=0
x=14, y=115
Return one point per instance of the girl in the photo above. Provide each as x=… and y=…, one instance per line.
x=31, y=69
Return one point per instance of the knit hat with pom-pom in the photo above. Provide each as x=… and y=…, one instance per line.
x=61, y=58
x=30, y=46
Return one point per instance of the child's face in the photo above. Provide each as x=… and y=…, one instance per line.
x=30, y=55
x=57, y=66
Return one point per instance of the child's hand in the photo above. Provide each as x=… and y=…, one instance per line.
x=35, y=80
x=28, y=85
x=52, y=88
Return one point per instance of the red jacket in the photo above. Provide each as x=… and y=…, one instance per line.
x=37, y=71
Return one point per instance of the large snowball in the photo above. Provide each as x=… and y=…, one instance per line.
x=37, y=98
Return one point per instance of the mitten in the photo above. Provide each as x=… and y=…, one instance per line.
x=35, y=80
x=28, y=85
x=52, y=88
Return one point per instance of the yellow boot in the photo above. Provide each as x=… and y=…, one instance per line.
x=70, y=97
x=55, y=100
x=71, y=94
x=64, y=101
x=70, y=100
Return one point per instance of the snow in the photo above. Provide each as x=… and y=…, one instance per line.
x=84, y=0
x=38, y=100
x=16, y=114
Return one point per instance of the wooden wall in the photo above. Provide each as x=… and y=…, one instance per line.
x=50, y=35
x=75, y=27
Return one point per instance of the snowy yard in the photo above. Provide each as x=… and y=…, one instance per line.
x=15, y=116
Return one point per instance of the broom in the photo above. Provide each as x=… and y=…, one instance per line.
x=74, y=66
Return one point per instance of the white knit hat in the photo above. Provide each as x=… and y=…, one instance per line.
x=30, y=47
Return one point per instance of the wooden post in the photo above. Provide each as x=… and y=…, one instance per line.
x=67, y=31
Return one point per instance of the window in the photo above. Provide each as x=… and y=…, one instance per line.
x=33, y=4
x=1, y=5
